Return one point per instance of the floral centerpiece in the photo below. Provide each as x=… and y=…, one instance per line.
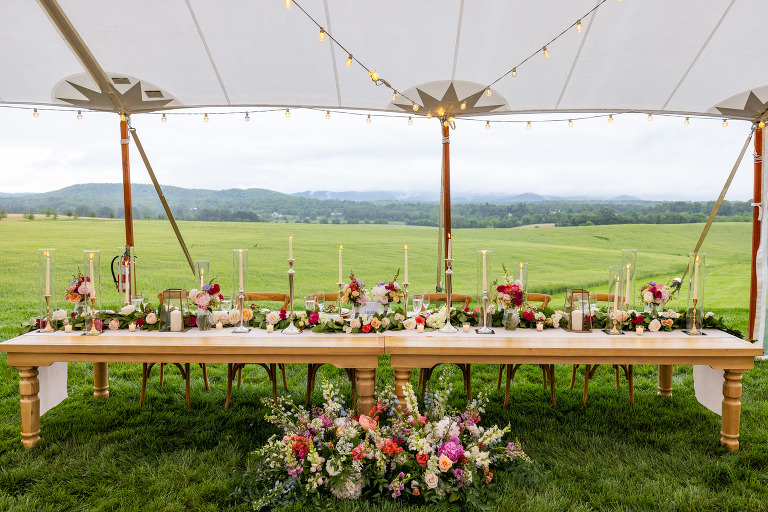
x=386, y=293
x=207, y=300
x=404, y=455
x=654, y=296
x=509, y=297
x=79, y=291
x=355, y=292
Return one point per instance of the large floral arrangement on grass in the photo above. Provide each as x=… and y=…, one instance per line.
x=355, y=292
x=510, y=292
x=442, y=454
x=385, y=293
x=208, y=298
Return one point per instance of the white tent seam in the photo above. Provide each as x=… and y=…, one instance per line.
x=208, y=51
x=458, y=39
x=701, y=50
x=333, y=54
x=576, y=58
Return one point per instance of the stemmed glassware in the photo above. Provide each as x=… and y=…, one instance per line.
x=425, y=300
x=418, y=301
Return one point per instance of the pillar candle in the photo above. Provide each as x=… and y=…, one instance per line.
x=270, y=328
x=577, y=320
x=93, y=281
x=68, y=328
x=241, y=270
x=406, y=264
x=696, y=278
x=340, y=281
x=219, y=325
x=47, y=274
x=639, y=330
x=539, y=326
x=176, y=321
x=465, y=327
x=420, y=328
x=485, y=281
x=132, y=327
x=290, y=247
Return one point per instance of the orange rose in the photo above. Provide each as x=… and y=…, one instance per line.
x=247, y=315
x=444, y=463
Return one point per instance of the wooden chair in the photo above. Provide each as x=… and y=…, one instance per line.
x=271, y=369
x=184, y=370
x=547, y=370
x=466, y=370
x=589, y=370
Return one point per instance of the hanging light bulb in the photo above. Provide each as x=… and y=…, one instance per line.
x=122, y=117
x=164, y=119
x=415, y=107
x=327, y=114
x=650, y=117
x=79, y=115
x=287, y=3
x=205, y=119
x=247, y=117
x=374, y=76
x=570, y=123
x=450, y=119
x=546, y=52
x=761, y=124
x=410, y=120
x=514, y=72
x=429, y=115
x=725, y=123
x=321, y=35
x=487, y=125
x=578, y=26
x=287, y=112
x=687, y=121
x=610, y=118
x=35, y=114
x=488, y=91
x=446, y=123
x=368, y=119
x=528, y=126
x=394, y=96
x=349, y=61
x=463, y=105
x=440, y=113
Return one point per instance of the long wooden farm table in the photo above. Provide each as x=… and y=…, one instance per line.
x=716, y=349
x=30, y=351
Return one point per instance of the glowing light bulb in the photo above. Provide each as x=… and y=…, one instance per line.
x=446, y=123
x=725, y=123
x=394, y=96
x=463, y=105
x=440, y=113
x=122, y=117
x=287, y=112
x=415, y=107
x=546, y=52
x=368, y=119
x=650, y=117
x=349, y=61
x=321, y=35
x=610, y=118
x=205, y=119
x=410, y=120
x=327, y=114
x=488, y=91
x=374, y=76
x=79, y=115
x=761, y=124
x=528, y=126
x=487, y=125
x=687, y=121
x=570, y=123
x=35, y=114
x=288, y=3
x=578, y=26
x=247, y=117
x=164, y=119
x=514, y=72
x=429, y=115
x=450, y=119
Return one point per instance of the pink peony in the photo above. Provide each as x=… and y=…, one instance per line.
x=203, y=300
x=367, y=422
x=451, y=450
x=314, y=318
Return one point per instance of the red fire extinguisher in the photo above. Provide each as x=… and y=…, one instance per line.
x=122, y=278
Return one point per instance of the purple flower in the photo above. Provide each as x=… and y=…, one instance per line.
x=451, y=450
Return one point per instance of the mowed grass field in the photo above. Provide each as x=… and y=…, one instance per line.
x=659, y=454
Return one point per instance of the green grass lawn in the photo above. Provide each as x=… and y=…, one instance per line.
x=659, y=454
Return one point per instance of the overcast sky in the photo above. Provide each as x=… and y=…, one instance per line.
x=662, y=159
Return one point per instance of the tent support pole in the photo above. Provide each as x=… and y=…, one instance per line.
x=757, y=199
x=446, y=186
x=162, y=199
x=439, y=279
x=127, y=203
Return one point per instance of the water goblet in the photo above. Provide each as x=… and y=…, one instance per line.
x=137, y=301
x=320, y=300
x=226, y=303
x=309, y=303
x=425, y=300
x=417, y=302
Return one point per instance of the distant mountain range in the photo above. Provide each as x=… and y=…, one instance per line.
x=456, y=198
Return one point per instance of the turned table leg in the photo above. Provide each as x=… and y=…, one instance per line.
x=402, y=378
x=366, y=386
x=665, y=380
x=729, y=433
x=100, y=380
x=29, y=387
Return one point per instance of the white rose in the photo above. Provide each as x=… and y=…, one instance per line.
x=59, y=314
x=273, y=317
x=385, y=322
x=347, y=329
x=709, y=314
x=151, y=319
x=234, y=316
x=114, y=324
x=431, y=480
x=127, y=310
x=192, y=293
x=223, y=317
x=399, y=317
x=654, y=326
x=648, y=297
x=355, y=323
x=410, y=324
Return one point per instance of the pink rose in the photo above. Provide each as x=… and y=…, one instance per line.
x=367, y=422
x=114, y=324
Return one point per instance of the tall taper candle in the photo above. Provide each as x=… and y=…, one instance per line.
x=521, y=272
x=93, y=282
x=696, y=278
x=202, y=271
x=406, y=264
x=340, y=281
x=616, y=296
x=127, y=282
x=241, y=270
x=290, y=247
x=626, y=294
x=485, y=280
x=47, y=274
x=449, y=246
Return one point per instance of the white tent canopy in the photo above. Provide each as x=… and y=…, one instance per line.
x=655, y=56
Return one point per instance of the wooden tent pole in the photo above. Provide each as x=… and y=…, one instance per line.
x=757, y=198
x=446, y=186
x=128, y=205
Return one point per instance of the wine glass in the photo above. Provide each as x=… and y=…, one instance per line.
x=425, y=300
x=417, y=302
x=309, y=303
x=226, y=303
x=320, y=300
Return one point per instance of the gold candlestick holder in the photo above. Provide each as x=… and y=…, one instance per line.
x=291, y=329
x=615, y=322
x=694, y=331
x=405, y=299
x=448, y=328
x=48, y=327
x=338, y=297
x=93, y=331
x=240, y=329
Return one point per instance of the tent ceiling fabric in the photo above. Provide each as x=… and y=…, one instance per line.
x=685, y=56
